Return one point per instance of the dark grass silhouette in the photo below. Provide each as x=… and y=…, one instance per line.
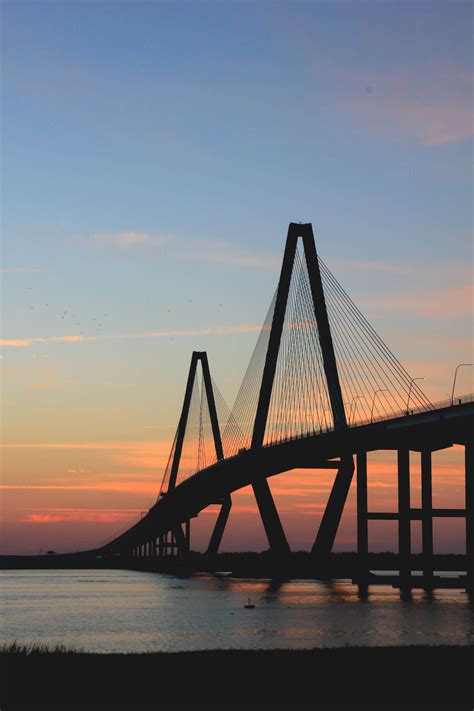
x=383, y=677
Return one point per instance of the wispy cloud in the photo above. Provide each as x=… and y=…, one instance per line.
x=26, y=342
x=204, y=331
x=449, y=302
x=218, y=252
x=57, y=515
x=126, y=240
x=129, y=486
x=223, y=253
x=410, y=269
x=40, y=386
x=431, y=104
x=111, y=445
x=432, y=125
x=8, y=270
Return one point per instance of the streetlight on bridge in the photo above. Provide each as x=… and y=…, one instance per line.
x=357, y=397
x=381, y=390
x=409, y=392
x=461, y=365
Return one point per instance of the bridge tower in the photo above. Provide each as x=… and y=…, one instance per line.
x=183, y=538
x=330, y=521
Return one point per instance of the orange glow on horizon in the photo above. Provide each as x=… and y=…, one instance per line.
x=95, y=490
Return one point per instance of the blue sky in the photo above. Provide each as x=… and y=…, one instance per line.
x=153, y=156
x=204, y=128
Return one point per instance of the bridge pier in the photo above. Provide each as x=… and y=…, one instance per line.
x=404, y=516
x=427, y=517
x=469, y=496
x=218, y=532
x=362, y=517
x=181, y=539
x=187, y=533
x=164, y=539
x=332, y=515
x=271, y=521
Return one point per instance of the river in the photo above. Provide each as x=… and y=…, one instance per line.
x=130, y=611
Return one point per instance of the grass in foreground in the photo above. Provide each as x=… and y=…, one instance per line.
x=360, y=677
x=32, y=648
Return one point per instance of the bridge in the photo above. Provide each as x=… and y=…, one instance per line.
x=321, y=391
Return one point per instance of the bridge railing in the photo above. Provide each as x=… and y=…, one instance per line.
x=440, y=405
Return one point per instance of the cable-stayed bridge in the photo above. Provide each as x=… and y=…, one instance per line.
x=321, y=391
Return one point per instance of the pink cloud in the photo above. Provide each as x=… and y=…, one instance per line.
x=82, y=516
x=13, y=270
x=214, y=252
x=40, y=386
x=430, y=103
x=210, y=331
x=203, y=331
x=450, y=302
x=16, y=342
x=125, y=240
x=26, y=342
x=432, y=125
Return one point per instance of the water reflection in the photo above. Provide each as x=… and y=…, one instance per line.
x=135, y=611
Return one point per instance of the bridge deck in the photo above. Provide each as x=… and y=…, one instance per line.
x=438, y=428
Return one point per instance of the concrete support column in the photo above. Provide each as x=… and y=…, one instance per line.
x=469, y=474
x=181, y=549
x=271, y=520
x=219, y=527
x=427, y=516
x=404, y=519
x=187, y=533
x=332, y=515
x=362, y=519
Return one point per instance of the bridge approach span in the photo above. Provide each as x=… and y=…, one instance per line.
x=425, y=431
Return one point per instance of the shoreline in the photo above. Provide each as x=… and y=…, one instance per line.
x=249, y=564
x=365, y=676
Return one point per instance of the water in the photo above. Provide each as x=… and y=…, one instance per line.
x=129, y=611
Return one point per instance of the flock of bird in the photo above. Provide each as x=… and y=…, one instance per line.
x=72, y=318
x=97, y=326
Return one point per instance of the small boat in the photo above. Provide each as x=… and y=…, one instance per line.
x=249, y=606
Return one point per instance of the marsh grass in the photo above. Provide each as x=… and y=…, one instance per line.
x=33, y=648
x=55, y=677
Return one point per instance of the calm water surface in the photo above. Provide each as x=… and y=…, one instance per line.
x=129, y=611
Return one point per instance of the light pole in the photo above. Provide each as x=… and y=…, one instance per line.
x=382, y=390
x=409, y=392
x=461, y=365
x=356, y=397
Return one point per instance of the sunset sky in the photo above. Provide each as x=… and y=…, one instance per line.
x=153, y=156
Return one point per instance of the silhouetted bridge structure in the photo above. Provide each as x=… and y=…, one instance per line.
x=321, y=391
